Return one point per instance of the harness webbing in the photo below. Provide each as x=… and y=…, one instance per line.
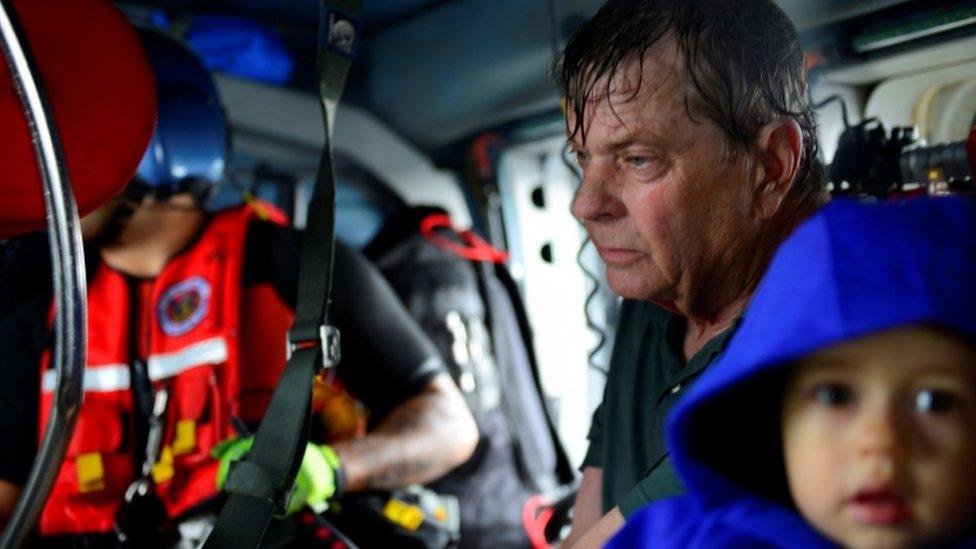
x=259, y=486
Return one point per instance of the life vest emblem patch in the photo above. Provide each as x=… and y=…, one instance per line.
x=183, y=306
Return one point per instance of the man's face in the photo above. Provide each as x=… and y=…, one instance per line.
x=667, y=211
x=879, y=437
x=93, y=223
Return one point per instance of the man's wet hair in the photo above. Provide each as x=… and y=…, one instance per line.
x=742, y=60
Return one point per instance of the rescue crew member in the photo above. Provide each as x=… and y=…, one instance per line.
x=187, y=318
x=693, y=127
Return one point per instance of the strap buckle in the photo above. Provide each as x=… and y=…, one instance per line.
x=342, y=32
x=329, y=341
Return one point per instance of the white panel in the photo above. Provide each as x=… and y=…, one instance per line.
x=554, y=292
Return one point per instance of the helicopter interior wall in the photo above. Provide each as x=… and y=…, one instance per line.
x=932, y=87
x=940, y=102
x=284, y=127
x=362, y=203
x=294, y=12
x=830, y=118
x=433, y=70
x=436, y=71
x=468, y=65
x=536, y=186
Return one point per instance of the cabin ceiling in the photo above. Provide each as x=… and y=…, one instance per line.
x=438, y=71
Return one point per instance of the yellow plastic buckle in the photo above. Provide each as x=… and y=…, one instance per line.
x=410, y=517
x=90, y=471
x=186, y=437
x=162, y=470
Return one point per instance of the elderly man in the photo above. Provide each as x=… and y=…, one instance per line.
x=691, y=122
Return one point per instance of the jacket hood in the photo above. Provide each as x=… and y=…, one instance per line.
x=851, y=270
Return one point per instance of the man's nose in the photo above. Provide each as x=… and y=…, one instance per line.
x=594, y=199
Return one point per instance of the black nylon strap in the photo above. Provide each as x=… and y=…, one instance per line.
x=258, y=487
x=250, y=479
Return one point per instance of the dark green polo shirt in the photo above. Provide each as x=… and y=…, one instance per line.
x=647, y=375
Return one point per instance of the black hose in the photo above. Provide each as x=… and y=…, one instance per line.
x=594, y=280
x=843, y=108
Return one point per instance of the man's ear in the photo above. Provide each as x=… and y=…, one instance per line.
x=780, y=148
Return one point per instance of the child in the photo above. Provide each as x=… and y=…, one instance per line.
x=844, y=409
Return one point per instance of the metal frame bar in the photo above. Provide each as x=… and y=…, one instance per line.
x=67, y=261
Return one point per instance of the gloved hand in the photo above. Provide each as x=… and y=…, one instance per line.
x=319, y=478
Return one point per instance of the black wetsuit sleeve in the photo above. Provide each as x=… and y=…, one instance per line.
x=22, y=337
x=386, y=356
x=271, y=257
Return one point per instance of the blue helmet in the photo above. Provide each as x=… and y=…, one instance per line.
x=190, y=146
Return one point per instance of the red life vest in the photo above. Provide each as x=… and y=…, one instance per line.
x=189, y=330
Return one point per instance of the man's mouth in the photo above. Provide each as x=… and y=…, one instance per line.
x=616, y=256
x=880, y=506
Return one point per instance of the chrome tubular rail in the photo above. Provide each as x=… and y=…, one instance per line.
x=68, y=267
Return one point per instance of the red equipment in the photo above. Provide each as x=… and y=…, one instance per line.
x=102, y=94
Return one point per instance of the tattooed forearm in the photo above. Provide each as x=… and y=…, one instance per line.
x=419, y=441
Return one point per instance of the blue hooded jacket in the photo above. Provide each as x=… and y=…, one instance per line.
x=851, y=270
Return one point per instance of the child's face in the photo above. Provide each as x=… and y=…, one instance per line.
x=879, y=436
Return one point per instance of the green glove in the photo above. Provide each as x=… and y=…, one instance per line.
x=229, y=451
x=318, y=480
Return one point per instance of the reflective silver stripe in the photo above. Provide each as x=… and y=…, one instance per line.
x=115, y=377
x=110, y=377
x=208, y=351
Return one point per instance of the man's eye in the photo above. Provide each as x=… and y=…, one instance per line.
x=638, y=161
x=833, y=394
x=934, y=401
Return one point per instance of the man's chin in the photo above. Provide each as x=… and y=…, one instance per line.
x=631, y=287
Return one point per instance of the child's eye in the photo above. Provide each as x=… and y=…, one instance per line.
x=833, y=394
x=934, y=401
